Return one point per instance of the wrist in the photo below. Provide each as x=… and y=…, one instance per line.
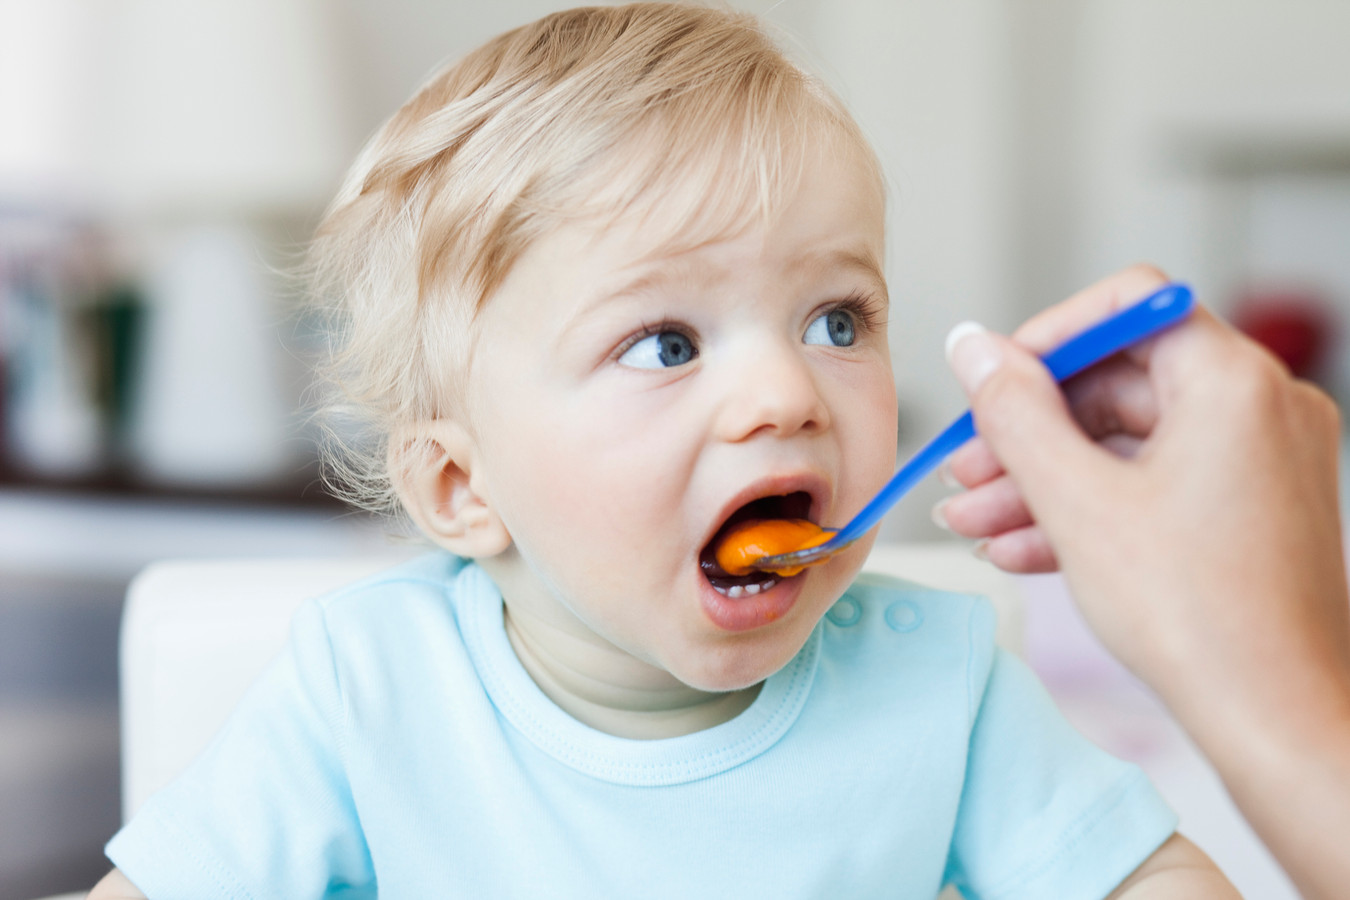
x=1299, y=740
x=1292, y=784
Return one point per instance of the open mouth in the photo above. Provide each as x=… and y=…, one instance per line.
x=796, y=505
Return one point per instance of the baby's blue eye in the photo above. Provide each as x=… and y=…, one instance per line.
x=835, y=328
x=660, y=351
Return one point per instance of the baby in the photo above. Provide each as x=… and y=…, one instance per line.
x=609, y=285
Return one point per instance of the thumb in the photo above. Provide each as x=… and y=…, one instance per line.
x=1025, y=420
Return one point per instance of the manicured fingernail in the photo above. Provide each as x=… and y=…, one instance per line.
x=940, y=515
x=973, y=355
x=944, y=474
x=981, y=550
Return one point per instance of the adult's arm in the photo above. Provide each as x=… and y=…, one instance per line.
x=1187, y=491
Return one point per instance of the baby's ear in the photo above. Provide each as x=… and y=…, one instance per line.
x=433, y=469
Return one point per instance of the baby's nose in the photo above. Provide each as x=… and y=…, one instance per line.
x=773, y=393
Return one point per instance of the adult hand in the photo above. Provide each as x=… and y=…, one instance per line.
x=1187, y=490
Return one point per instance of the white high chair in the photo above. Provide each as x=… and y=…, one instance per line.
x=195, y=634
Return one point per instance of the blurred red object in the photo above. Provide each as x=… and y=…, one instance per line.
x=1297, y=326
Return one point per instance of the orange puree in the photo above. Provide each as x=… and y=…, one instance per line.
x=752, y=539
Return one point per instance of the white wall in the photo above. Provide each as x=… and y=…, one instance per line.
x=45, y=85
x=1172, y=96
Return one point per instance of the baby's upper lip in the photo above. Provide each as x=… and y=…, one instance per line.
x=812, y=483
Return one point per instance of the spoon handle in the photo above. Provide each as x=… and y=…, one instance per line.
x=1154, y=313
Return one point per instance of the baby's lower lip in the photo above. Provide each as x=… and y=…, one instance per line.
x=750, y=611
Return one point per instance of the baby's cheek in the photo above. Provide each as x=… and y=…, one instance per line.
x=579, y=511
x=872, y=444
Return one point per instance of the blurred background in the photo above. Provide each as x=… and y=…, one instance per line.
x=162, y=163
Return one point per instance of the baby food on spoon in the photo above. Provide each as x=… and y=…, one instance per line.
x=741, y=545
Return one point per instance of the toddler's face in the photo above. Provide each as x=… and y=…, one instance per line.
x=627, y=405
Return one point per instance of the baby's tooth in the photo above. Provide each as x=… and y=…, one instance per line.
x=722, y=591
x=764, y=586
x=752, y=589
x=735, y=591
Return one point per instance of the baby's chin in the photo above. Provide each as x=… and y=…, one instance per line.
x=749, y=657
x=736, y=668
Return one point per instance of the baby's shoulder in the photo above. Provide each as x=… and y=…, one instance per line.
x=389, y=640
x=897, y=651
x=417, y=596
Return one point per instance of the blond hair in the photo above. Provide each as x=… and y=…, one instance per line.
x=585, y=112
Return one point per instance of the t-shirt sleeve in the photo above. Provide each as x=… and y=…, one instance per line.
x=267, y=810
x=1044, y=812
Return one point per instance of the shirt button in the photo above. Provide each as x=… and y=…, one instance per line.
x=903, y=616
x=845, y=613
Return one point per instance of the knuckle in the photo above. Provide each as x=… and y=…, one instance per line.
x=1257, y=379
x=1147, y=272
x=1320, y=407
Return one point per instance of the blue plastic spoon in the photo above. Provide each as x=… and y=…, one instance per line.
x=1144, y=319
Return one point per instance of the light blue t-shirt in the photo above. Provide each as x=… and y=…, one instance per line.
x=398, y=746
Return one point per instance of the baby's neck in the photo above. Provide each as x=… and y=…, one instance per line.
x=609, y=690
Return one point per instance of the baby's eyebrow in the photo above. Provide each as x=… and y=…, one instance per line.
x=661, y=275
x=651, y=279
x=676, y=271
x=841, y=258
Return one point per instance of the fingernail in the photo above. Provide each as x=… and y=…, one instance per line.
x=944, y=474
x=939, y=515
x=981, y=550
x=973, y=355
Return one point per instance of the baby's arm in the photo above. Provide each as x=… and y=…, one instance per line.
x=1177, y=869
x=115, y=886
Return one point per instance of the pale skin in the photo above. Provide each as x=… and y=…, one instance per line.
x=1188, y=494
x=586, y=471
